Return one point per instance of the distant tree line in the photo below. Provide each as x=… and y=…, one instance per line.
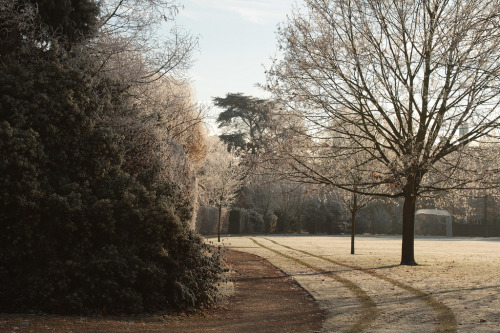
x=279, y=197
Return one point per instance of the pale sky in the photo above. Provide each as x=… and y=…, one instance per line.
x=237, y=39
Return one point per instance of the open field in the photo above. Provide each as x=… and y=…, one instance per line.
x=455, y=288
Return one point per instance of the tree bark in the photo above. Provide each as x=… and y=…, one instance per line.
x=485, y=210
x=353, y=220
x=219, y=223
x=410, y=200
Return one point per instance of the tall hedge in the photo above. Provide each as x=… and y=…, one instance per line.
x=78, y=234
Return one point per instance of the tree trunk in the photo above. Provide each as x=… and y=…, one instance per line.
x=410, y=200
x=219, y=223
x=485, y=210
x=353, y=220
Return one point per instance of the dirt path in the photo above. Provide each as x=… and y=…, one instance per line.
x=265, y=300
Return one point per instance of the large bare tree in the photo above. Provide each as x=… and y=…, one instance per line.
x=413, y=82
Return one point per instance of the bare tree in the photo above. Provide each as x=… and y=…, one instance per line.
x=407, y=76
x=473, y=204
x=352, y=168
x=169, y=103
x=139, y=52
x=143, y=33
x=290, y=205
x=353, y=202
x=219, y=178
x=260, y=193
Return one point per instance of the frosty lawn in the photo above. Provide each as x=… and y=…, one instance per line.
x=455, y=288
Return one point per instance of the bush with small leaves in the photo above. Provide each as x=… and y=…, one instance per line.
x=78, y=233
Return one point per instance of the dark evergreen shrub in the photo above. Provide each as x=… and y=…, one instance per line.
x=322, y=217
x=255, y=222
x=78, y=234
x=238, y=220
x=207, y=219
x=270, y=222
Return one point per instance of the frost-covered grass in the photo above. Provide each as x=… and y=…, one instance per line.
x=456, y=286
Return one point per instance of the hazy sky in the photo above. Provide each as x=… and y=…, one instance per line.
x=237, y=38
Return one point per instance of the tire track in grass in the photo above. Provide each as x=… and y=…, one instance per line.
x=445, y=316
x=368, y=306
